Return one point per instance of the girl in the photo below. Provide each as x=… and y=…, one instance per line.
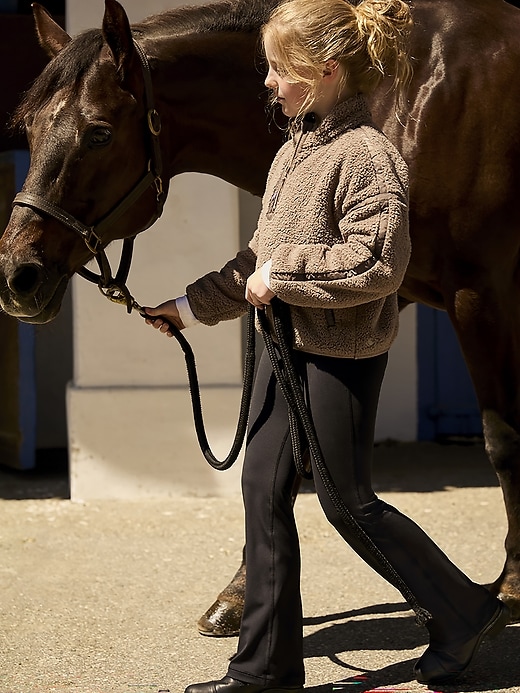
x=332, y=243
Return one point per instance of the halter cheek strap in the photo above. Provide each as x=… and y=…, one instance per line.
x=114, y=287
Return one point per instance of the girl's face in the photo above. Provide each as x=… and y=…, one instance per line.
x=290, y=95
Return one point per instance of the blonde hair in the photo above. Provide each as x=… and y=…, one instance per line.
x=369, y=41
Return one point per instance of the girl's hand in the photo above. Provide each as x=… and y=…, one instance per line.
x=257, y=292
x=168, y=310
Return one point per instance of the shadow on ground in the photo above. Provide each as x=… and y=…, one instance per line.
x=427, y=466
x=497, y=666
x=410, y=467
x=49, y=478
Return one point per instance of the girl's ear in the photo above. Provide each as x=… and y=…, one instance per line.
x=330, y=69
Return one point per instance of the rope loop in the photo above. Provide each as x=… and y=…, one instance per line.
x=247, y=388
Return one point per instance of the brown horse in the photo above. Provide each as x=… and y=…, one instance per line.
x=89, y=134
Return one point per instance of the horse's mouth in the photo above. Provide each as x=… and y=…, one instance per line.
x=36, y=313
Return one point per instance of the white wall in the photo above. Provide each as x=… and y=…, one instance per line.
x=398, y=411
x=130, y=427
x=130, y=424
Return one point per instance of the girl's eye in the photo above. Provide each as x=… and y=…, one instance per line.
x=275, y=68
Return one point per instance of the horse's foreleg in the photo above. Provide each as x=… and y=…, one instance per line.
x=488, y=333
x=223, y=617
x=503, y=449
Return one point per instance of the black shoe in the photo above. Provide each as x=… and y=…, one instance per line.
x=441, y=666
x=229, y=685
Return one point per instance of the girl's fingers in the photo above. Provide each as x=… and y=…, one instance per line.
x=159, y=322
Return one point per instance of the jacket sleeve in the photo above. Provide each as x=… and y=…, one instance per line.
x=367, y=263
x=220, y=295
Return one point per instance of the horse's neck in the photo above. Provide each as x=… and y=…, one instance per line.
x=212, y=101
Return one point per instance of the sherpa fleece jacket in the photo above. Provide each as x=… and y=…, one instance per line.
x=334, y=223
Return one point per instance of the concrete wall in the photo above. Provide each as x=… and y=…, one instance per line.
x=129, y=419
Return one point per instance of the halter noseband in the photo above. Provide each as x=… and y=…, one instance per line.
x=113, y=287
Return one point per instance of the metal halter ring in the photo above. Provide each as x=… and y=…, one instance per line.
x=154, y=122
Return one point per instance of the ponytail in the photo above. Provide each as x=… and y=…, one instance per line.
x=386, y=26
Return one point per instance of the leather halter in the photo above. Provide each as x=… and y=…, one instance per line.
x=113, y=287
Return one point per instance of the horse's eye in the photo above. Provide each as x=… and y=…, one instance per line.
x=99, y=137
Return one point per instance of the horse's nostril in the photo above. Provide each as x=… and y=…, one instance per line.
x=25, y=279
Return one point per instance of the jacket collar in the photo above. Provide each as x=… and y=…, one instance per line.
x=346, y=115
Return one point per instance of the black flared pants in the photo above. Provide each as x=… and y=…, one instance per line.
x=342, y=396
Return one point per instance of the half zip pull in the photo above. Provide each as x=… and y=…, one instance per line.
x=273, y=201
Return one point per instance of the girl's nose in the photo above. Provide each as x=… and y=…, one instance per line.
x=269, y=81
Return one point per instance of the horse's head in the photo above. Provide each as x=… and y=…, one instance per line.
x=91, y=140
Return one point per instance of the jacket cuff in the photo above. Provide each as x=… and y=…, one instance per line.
x=265, y=271
x=185, y=312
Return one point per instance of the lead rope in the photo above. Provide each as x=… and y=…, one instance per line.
x=245, y=402
x=299, y=421
x=290, y=385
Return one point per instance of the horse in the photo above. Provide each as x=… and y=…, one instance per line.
x=174, y=92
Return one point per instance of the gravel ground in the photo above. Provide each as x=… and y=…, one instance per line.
x=104, y=597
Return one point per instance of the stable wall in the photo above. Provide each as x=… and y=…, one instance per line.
x=129, y=419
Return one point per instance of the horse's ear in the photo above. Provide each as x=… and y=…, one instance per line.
x=51, y=36
x=118, y=35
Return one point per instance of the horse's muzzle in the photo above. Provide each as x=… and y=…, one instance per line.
x=28, y=294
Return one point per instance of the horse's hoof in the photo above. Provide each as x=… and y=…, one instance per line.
x=509, y=593
x=221, y=620
x=513, y=603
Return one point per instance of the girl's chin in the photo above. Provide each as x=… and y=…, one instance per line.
x=287, y=111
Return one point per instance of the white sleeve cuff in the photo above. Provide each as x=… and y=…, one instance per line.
x=185, y=312
x=265, y=271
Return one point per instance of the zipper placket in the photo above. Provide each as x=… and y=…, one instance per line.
x=273, y=201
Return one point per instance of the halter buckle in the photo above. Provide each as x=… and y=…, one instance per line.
x=158, y=187
x=93, y=245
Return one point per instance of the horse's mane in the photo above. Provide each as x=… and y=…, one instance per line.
x=65, y=70
x=71, y=63
x=225, y=15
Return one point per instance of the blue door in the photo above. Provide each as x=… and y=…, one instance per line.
x=447, y=403
x=17, y=360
